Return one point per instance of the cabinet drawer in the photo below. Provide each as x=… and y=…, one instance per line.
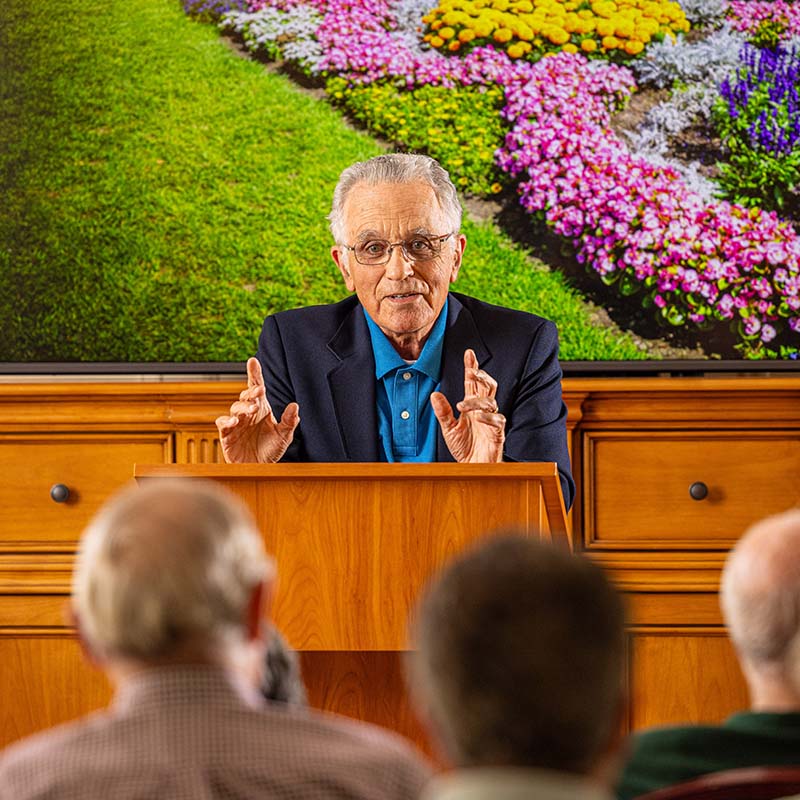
x=639, y=486
x=91, y=466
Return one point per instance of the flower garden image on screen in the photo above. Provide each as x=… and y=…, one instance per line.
x=651, y=146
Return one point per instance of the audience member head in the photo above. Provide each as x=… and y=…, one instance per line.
x=760, y=599
x=170, y=570
x=519, y=659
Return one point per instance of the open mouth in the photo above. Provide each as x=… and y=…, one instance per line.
x=402, y=296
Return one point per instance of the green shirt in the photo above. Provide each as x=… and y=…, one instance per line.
x=663, y=756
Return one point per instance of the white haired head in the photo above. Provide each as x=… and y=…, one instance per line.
x=170, y=563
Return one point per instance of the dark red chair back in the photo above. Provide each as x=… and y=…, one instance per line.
x=749, y=783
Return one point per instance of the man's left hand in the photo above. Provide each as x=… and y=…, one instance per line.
x=478, y=435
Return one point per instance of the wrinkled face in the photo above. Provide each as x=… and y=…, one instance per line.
x=404, y=297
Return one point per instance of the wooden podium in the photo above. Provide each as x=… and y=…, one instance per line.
x=355, y=543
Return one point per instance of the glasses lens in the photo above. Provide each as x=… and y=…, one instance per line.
x=378, y=251
x=375, y=251
x=421, y=249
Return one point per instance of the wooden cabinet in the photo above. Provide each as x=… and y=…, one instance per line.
x=638, y=445
x=671, y=473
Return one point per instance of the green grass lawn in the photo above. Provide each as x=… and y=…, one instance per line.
x=159, y=195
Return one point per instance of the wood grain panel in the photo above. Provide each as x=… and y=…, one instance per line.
x=683, y=676
x=90, y=465
x=334, y=555
x=639, y=484
x=365, y=686
x=45, y=681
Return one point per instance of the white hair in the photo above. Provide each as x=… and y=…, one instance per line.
x=760, y=592
x=170, y=562
x=395, y=168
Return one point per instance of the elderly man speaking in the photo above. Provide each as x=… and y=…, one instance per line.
x=376, y=376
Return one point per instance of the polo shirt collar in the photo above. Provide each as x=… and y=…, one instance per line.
x=388, y=359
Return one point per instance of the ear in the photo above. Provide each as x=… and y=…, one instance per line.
x=340, y=257
x=458, y=255
x=258, y=609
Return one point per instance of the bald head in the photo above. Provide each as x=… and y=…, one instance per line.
x=165, y=564
x=760, y=594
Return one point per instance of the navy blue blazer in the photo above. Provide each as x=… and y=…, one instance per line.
x=321, y=357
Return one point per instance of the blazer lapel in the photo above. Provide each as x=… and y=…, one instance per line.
x=352, y=387
x=461, y=333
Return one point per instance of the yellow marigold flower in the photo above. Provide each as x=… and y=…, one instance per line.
x=447, y=33
x=604, y=27
x=524, y=32
x=633, y=47
x=572, y=23
x=524, y=7
x=502, y=35
x=610, y=42
x=586, y=13
x=588, y=45
x=495, y=188
x=569, y=48
x=466, y=35
x=514, y=51
x=483, y=28
x=437, y=41
x=624, y=29
x=558, y=36
x=501, y=5
x=436, y=25
x=454, y=45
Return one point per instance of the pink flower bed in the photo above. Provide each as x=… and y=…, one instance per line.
x=747, y=15
x=631, y=221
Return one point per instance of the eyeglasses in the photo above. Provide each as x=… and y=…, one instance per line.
x=376, y=252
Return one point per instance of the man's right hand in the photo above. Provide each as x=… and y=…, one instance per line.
x=251, y=433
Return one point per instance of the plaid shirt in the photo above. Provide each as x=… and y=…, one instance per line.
x=190, y=732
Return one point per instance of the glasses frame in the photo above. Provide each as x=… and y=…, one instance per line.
x=402, y=245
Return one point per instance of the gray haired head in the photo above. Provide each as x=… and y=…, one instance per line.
x=165, y=565
x=395, y=168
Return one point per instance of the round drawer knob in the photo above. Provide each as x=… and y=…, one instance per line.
x=698, y=490
x=59, y=493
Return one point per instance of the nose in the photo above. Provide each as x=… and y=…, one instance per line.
x=398, y=266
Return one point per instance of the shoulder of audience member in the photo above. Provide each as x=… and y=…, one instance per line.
x=22, y=763
x=373, y=743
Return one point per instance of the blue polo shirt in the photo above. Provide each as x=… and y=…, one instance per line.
x=407, y=425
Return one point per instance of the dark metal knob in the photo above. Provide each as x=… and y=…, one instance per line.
x=59, y=493
x=698, y=490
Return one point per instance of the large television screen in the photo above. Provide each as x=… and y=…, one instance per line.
x=628, y=169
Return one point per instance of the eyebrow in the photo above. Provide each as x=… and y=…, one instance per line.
x=372, y=234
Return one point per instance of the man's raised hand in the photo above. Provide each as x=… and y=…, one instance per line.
x=251, y=433
x=478, y=435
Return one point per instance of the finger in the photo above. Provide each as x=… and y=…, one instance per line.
x=443, y=411
x=248, y=411
x=487, y=385
x=254, y=375
x=476, y=403
x=497, y=421
x=470, y=366
x=290, y=418
x=225, y=424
